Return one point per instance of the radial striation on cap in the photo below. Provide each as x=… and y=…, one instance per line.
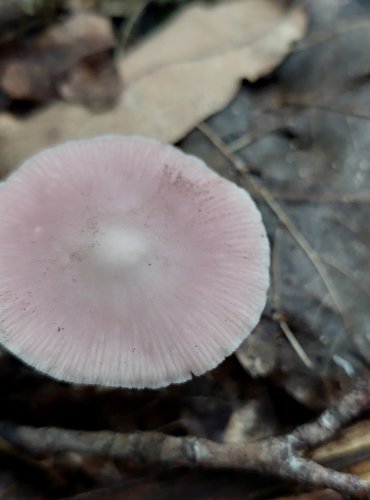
x=125, y=262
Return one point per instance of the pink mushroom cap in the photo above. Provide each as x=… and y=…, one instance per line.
x=125, y=262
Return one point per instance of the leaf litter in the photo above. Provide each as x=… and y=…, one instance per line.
x=305, y=157
x=299, y=142
x=220, y=45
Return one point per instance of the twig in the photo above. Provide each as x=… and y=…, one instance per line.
x=294, y=342
x=281, y=456
x=336, y=417
x=279, y=316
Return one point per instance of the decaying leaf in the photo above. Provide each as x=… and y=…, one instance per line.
x=238, y=39
x=201, y=58
x=302, y=149
x=313, y=188
x=55, y=61
x=307, y=149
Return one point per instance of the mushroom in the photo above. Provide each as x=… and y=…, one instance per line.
x=125, y=262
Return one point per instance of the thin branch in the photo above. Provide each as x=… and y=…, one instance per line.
x=275, y=456
x=276, y=300
x=336, y=417
x=292, y=339
x=280, y=456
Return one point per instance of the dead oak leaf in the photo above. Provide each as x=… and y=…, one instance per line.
x=244, y=38
x=174, y=80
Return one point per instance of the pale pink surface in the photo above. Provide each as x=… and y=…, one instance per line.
x=124, y=262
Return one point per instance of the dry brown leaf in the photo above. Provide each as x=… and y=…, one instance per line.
x=175, y=79
x=233, y=40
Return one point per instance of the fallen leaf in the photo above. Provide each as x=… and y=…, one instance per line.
x=200, y=59
x=233, y=40
x=57, y=59
x=306, y=149
x=314, y=175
